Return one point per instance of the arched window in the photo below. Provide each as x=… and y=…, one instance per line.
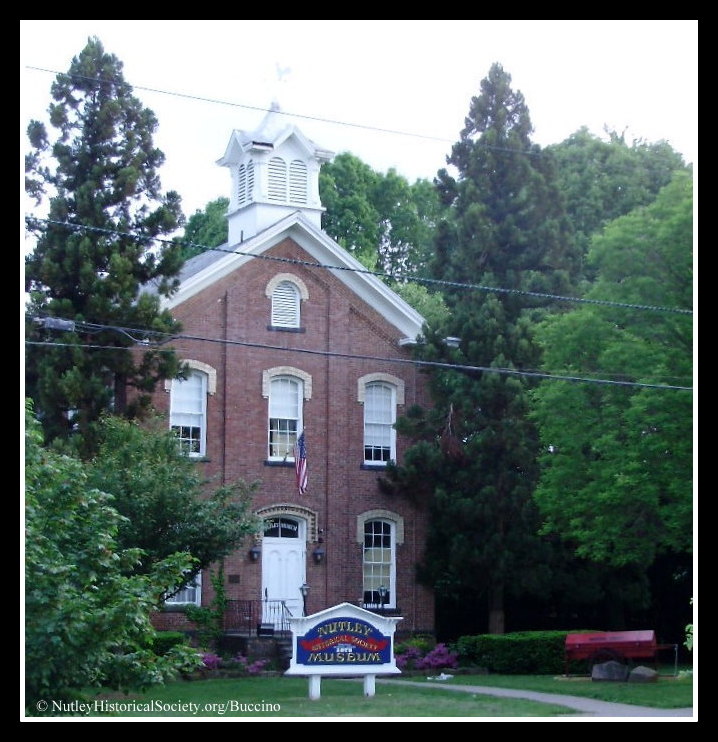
x=298, y=182
x=286, y=396
x=286, y=305
x=379, y=564
x=188, y=412
x=282, y=527
x=277, y=180
x=379, y=419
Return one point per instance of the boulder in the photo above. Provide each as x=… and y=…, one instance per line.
x=642, y=674
x=610, y=670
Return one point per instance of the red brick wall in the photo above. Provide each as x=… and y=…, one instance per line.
x=334, y=320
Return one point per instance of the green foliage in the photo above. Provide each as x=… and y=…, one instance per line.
x=601, y=180
x=99, y=173
x=474, y=456
x=86, y=610
x=167, y=505
x=431, y=306
x=383, y=220
x=517, y=653
x=163, y=641
x=210, y=619
x=205, y=229
x=617, y=465
x=423, y=642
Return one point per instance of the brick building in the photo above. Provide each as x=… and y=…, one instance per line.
x=283, y=349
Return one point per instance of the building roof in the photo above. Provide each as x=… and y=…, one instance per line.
x=274, y=129
x=205, y=269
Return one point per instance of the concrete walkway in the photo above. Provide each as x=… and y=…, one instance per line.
x=585, y=706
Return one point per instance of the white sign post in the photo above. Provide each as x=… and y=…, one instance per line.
x=343, y=641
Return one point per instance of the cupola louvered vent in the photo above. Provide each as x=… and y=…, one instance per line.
x=298, y=182
x=245, y=184
x=277, y=180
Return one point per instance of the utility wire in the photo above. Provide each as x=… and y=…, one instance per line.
x=56, y=323
x=335, y=122
x=353, y=356
x=392, y=276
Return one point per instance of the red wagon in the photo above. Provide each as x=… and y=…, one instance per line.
x=622, y=646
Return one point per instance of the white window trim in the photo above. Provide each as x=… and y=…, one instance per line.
x=203, y=423
x=300, y=419
x=380, y=514
x=394, y=381
x=198, y=594
x=392, y=602
x=311, y=517
x=392, y=430
x=271, y=373
x=199, y=366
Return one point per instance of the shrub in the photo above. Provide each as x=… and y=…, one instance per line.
x=407, y=659
x=211, y=660
x=423, y=642
x=163, y=641
x=518, y=653
x=439, y=658
x=412, y=658
x=251, y=668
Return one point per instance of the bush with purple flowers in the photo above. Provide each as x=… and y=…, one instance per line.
x=211, y=661
x=414, y=658
x=251, y=668
x=237, y=664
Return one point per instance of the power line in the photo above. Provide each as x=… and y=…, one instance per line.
x=335, y=122
x=354, y=356
x=143, y=337
x=378, y=274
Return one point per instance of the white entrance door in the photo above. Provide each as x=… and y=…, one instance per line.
x=284, y=556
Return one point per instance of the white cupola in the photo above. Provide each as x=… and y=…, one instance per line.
x=275, y=172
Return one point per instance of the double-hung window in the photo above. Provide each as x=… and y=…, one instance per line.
x=379, y=419
x=379, y=564
x=286, y=395
x=188, y=412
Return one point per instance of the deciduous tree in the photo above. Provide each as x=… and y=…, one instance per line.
x=166, y=504
x=87, y=609
x=617, y=460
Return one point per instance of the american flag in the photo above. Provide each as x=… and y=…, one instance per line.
x=300, y=463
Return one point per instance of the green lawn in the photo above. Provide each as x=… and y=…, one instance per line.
x=261, y=697
x=668, y=692
x=288, y=697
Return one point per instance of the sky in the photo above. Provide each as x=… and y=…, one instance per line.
x=393, y=93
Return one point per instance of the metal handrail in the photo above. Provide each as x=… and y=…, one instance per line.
x=245, y=616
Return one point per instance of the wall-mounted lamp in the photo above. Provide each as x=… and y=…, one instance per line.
x=254, y=553
x=319, y=554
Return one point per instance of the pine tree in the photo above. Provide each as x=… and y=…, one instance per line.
x=100, y=179
x=507, y=231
